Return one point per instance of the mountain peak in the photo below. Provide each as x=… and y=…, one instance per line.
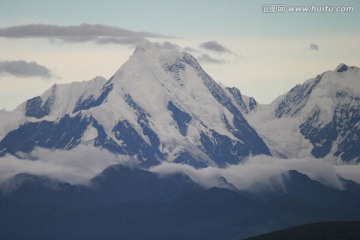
x=153, y=52
x=144, y=46
x=342, y=67
x=160, y=105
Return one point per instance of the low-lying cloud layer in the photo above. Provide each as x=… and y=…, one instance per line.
x=75, y=166
x=97, y=33
x=260, y=172
x=24, y=69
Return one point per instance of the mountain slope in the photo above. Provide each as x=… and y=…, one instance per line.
x=123, y=203
x=159, y=106
x=117, y=184
x=320, y=118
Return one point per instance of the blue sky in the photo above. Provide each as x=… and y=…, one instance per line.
x=187, y=17
x=268, y=52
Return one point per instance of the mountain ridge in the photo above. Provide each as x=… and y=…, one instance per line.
x=321, y=116
x=159, y=106
x=161, y=150
x=121, y=200
x=162, y=106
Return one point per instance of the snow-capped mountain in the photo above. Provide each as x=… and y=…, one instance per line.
x=159, y=106
x=244, y=103
x=319, y=118
x=162, y=106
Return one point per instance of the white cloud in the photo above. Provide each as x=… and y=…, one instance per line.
x=351, y=172
x=261, y=172
x=75, y=166
x=168, y=46
x=257, y=173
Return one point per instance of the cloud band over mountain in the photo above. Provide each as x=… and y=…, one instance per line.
x=98, y=33
x=257, y=173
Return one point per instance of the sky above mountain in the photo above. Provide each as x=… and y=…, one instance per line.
x=262, y=47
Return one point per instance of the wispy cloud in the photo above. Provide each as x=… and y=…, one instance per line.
x=214, y=46
x=257, y=173
x=98, y=33
x=167, y=46
x=205, y=58
x=191, y=50
x=74, y=166
x=22, y=68
x=314, y=47
x=263, y=172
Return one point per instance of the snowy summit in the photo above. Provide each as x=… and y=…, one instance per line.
x=159, y=106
